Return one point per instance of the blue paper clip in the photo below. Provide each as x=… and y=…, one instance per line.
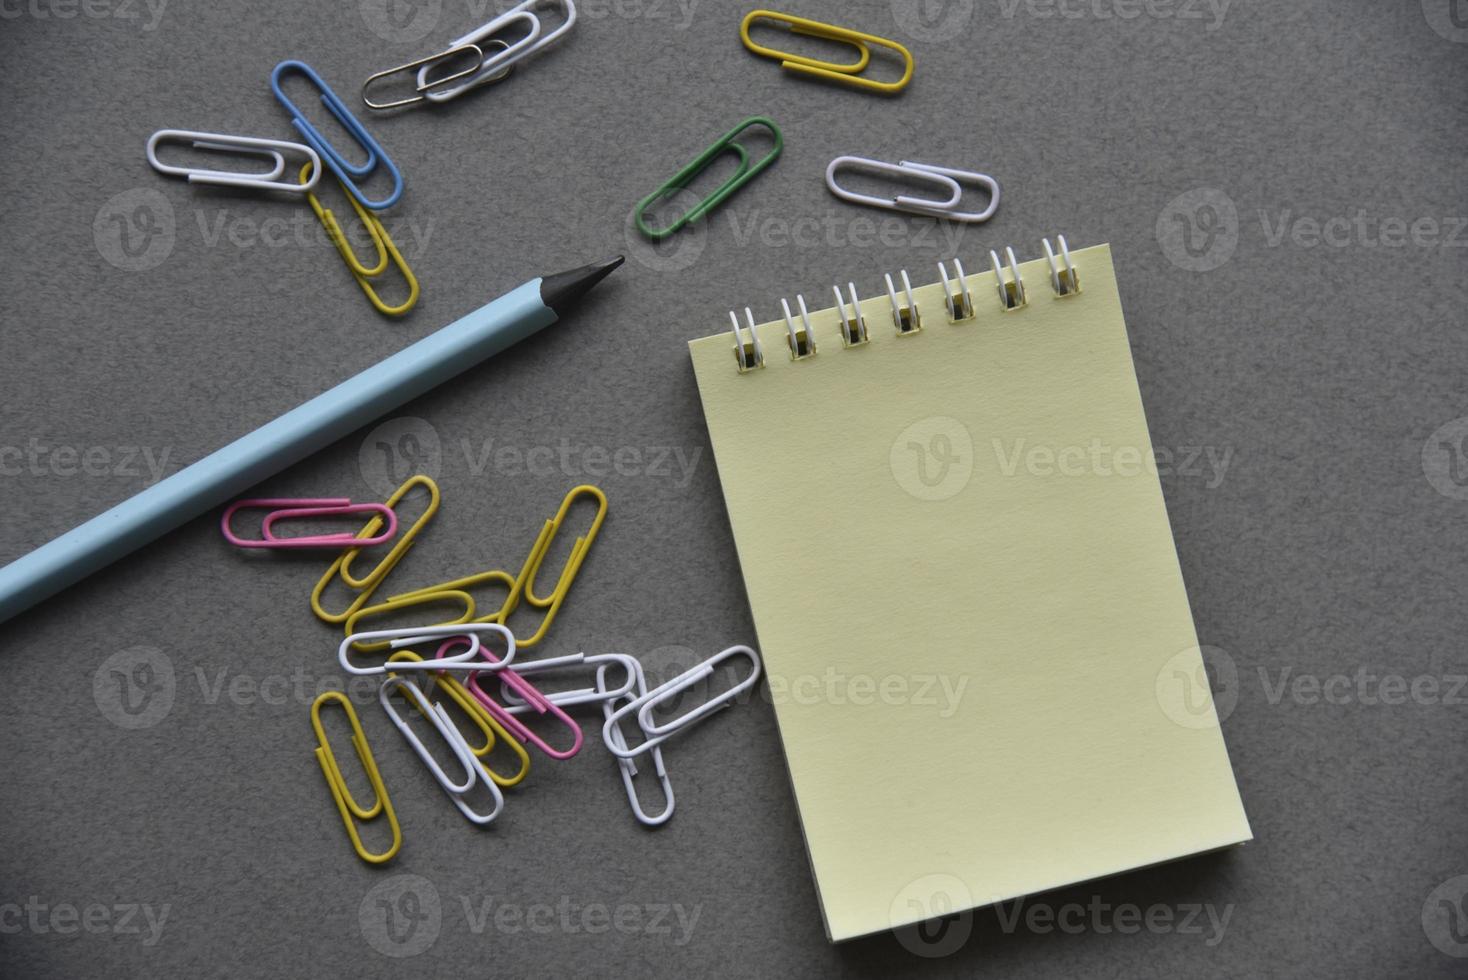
x=342, y=167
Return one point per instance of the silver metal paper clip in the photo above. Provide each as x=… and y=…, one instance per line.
x=489, y=66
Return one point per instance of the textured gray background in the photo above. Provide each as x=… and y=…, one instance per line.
x=1321, y=370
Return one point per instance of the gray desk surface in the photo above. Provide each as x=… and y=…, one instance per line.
x=1283, y=185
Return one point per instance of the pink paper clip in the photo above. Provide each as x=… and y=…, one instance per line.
x=298, y=507
x=532, y=697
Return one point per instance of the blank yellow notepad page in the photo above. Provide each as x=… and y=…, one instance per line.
x=968, y=600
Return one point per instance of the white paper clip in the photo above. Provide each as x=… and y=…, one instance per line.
x=803, y=340
x=948, y=179
x=750, y=355
x=646, y=703
x=404, y=636
x=1065, y=282
x=439, y=719
x=1011, y=293
x=686, y=680
x=516, y=705
x=960, y=303
x=616, y=743
x=906, y=319
x=273, y=150
x=498, y=62
x=853, y=324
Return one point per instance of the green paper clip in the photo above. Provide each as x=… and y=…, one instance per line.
x=682, y=178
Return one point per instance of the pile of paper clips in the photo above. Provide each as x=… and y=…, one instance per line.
x=437, y=78
x=474, y=667
x=315, y=149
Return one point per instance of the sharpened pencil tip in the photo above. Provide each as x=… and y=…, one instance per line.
x=563, y=290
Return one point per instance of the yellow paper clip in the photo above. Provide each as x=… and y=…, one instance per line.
x=514, y=585
x=493, y=732
x=407, y=602
x=368, y=584
x=381, y=240
x=345, y=803
x=470, y=582
x=849, y=74
x=525, y=581
x=522, y=584
x=578, y=550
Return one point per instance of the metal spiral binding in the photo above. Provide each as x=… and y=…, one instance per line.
x=749, y=355
x=906, y=317
x=802, y=341
x=1011, y=293
x=960, y=303
x=1065, y=282
x=853, y=324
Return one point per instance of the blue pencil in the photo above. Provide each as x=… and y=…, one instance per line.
x=292, y=437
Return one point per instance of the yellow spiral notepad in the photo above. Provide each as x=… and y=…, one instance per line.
x=966, y=592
